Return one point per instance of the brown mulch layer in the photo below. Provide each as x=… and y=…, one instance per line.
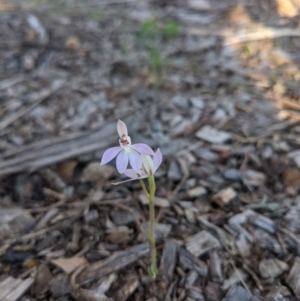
x=214, y=86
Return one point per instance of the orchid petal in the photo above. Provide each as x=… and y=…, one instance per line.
x=109, y=154
x=131, y=174
x=157, y=159
x=122, y=129
x=135, y=160
x=143, y=148
x=122, y=161
x=148, y=164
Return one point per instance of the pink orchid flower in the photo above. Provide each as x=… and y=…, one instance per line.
x=148, y=168
x=126, y=152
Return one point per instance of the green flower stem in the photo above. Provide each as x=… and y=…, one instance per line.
x=144, y=187
x=153, y=271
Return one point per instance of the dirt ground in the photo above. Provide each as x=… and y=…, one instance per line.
x=214, y=85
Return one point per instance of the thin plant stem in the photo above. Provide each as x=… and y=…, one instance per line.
x=153, y=267
x=144, y=188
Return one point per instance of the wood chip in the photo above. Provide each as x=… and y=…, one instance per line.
x=253, y=178
x=238, y=293
x=238, y=220
x=201, y=5
x=104, y=284
x=237, y=276
x=267, y=241
x=161, y=231
x=243, y=246
x=168, y=260
x=225, y=196
x=122, y=217
x=191, y=262
x=46, y=218
x=215, y=266
x=11, y=289
x=113, y=263
x=293, y=279
x=95, y=172
x=286, y=8
x=212, y=135
x=295, y=155
x=43, y=94
x=125, y=290
x=81, y=294
x=68, y=265
x=263, y=222
x=42, y=280
x=225, y=238
x=14, y=221
x=159, y=202
x=47, y=152
x=52, y=180
x=91, y=216
x=60, y=285
x=191, y=278
x=195, y=292
x=201, y=243
x=119, y=235
x=196, y=192
x=213, y=291
x=271, y=268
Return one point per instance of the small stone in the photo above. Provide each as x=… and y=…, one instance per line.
x=267, y=152
x=220, y=114
x=232, y=175
x=176, y=120
x=180, y=102
x=91, y=216
x=212, y=135
x=197, y=103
